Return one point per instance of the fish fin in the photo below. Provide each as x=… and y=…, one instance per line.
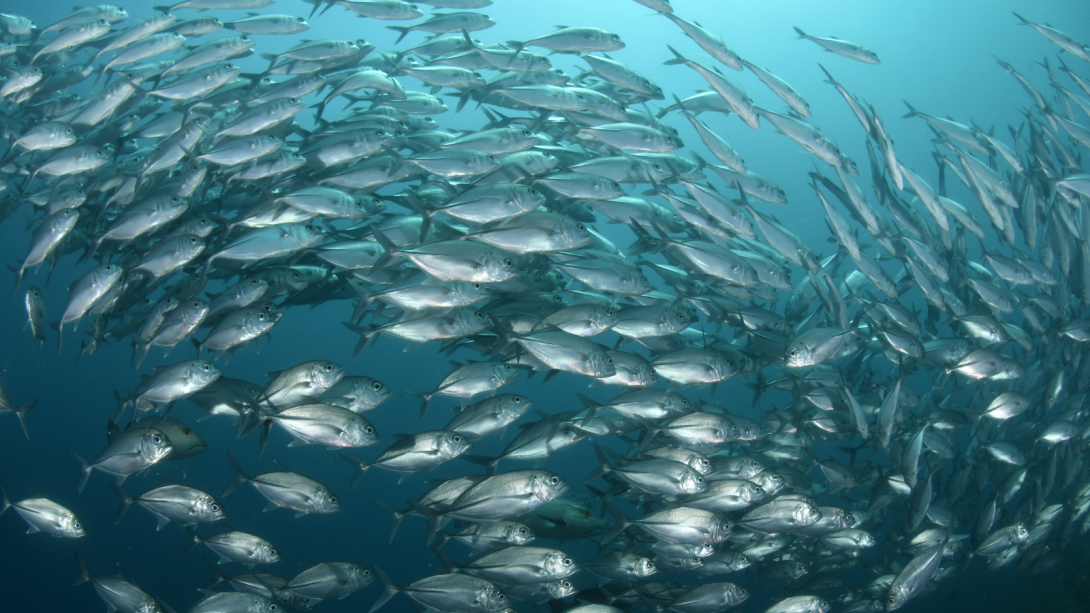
x=84, y=576
x=32, y=529
x=126, y=501
x=361, y=469
x=390, y=589
x=240, y=476
x=193, y=543
x=21, y=412
x=84, y=468
x=396, y=517
x=163, y=520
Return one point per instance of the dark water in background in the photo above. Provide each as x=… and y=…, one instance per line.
x=935, y=54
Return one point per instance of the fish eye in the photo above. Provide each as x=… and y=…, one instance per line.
x=609, y=361
x=77, y=526
x=300, y=20
x=274, y=608
x=502, y=598
x=369, y=430
x=157, y=439
x=517, y=399
x=555, y=480
x=581, y=228
x=508, y=263
x=329, y=368
x=68, y=131
x=192, y=240
x=567, y=561
x=507, y=367
x=333, y=499
x=215, y=507
x=479, y=315
x=206, y=368
x=609, y=313
x=522, y=530
x=376, y=386
x=196, y=304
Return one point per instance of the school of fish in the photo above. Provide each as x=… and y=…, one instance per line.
x=203, y=204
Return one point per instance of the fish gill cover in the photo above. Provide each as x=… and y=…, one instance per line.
x=706, y=322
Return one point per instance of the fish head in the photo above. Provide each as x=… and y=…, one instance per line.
x=70, y=526
x=806, y=514
x=897, y=597
x=600, y=364
x=518, y=534
x=326, y=501
x=499, y=267
x=452, y=444
x=371, y=392
x=324, y=375
x=195, y=311
x=693, y=483
x=558, y=564
x=154, y=445
x=561, y=588
x=266, y=553
x=644, y=567
x=799, y=355
x=721, y=531
x=546, y=486
x=209, y=509
x=490, y=598
x=514, y=405
x=360, y=433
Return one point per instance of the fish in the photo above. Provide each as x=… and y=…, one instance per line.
x=791, y=376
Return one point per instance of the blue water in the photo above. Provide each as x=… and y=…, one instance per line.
x=936, y=55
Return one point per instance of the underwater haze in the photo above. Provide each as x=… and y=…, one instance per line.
x=838, y=362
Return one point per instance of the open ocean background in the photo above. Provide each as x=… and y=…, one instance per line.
x=938, y=55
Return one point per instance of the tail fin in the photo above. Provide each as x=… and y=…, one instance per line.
x=622, y=521
x=240, y=476
x=365, y=337
x=196, y=540
x=84, y=576
x=800, y=33
x=21, y=412
x=395, y=516
x=424, y=397
x=603, y=464
x=403, y=32
x=217, y=576
x=84, y=468
x=126, y=501
x=389, y=588
x=678, y=58
x=361, y=470
x=432, y=516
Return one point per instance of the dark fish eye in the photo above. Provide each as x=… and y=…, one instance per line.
x=507, y=367
x=192, y=241
x=215, y=507
x=207, y=368
x=508, y=263
x=609, y=313
x=555, y=480
x=654, y=372
x=609, y=361
x=517, y=399
x=376, y=386
x=77, y=526
x=581, y=228
x=369, y=430
x=68, y=131
x=329, y=368
x=457, y=439
x=333, y=499
x=479, y=315
x=476, y=286
x=157, y=439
